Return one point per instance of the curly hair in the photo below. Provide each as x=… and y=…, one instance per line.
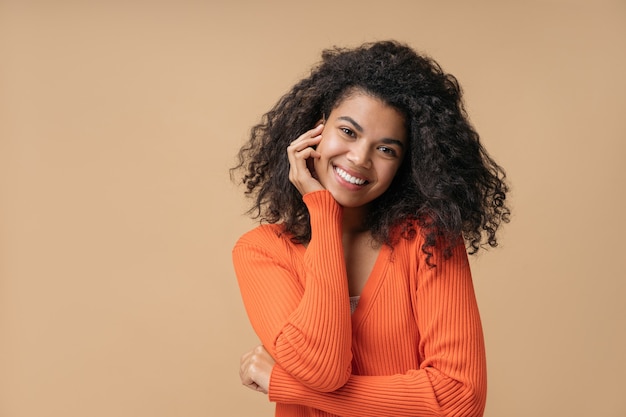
x=447, y=186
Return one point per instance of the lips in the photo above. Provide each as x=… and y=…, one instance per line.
x=350, y=178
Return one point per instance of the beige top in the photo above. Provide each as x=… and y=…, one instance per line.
x=354, y=301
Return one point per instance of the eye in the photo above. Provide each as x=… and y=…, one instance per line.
x=348, y=131
x=388, y=151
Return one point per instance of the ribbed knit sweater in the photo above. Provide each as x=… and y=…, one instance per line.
x=413, y=347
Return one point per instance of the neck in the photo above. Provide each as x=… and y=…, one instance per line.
x=354, y=220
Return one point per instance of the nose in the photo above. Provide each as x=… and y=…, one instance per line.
x=359, y=154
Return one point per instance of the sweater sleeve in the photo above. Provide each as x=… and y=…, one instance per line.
x=306, y=329
x=451, y=377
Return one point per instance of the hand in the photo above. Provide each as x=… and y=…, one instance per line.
x=256, y=368
x=301, y=151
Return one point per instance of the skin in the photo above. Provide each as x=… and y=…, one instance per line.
x=354, y=154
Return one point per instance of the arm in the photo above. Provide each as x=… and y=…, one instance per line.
x=451, y=377
x=307, y=330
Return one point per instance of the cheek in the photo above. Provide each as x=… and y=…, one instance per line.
x=329, y=146
x=390, y=172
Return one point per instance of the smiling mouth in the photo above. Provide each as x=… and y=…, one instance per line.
x=349, y=178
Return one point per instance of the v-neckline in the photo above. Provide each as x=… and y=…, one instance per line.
x=372, y=285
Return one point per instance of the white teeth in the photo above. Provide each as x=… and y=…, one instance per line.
x=352, y=180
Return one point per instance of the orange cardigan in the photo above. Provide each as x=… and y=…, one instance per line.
x=413, y=347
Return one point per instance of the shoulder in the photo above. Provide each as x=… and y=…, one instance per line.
x=267, y=238
x=407, y=237
x=266, y=246
x=410, y=242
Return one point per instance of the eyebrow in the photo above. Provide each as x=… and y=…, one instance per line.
x=360, y=129
x=351, y=120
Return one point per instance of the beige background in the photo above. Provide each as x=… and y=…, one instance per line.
x=118, y=123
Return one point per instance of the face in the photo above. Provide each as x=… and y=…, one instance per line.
x=363, y=144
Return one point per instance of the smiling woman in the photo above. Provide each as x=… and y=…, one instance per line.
x=359, y=286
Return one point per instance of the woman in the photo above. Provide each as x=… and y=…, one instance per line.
x=373, y=186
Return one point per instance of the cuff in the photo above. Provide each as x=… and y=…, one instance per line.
x=283, y=387
x=322, y=206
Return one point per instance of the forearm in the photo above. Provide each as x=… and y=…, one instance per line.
x=314, y=345
x=424, y=392
x=301, y=313
x=317, y=348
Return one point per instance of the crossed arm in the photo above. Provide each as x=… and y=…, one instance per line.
x=305, y=333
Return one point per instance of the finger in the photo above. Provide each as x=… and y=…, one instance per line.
x=306, y=154
x=298, y=162
x=310, y=134
x=253, y=386
x=248, y=381
x=299, y=168
x=302, y=144
x=245, y=376
x=244, y=365
x=244, y=359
